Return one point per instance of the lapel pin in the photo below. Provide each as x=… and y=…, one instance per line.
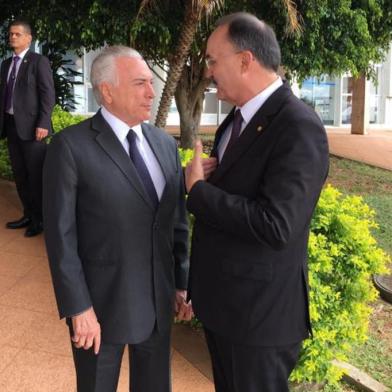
x=259, y=128
x=25, y=61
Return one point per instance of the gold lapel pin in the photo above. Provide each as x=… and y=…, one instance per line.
x=259, y=128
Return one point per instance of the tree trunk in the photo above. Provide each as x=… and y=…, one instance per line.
x=360, y=108
x=189, y=97
x=191, y=20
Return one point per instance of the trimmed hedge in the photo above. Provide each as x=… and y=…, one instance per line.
x=342, y=257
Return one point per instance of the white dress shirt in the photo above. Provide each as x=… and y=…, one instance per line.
x=121, y=130
x=20, y=55
x=248, y=111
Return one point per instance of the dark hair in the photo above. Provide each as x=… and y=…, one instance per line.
x=246, y=32
x=20, y=22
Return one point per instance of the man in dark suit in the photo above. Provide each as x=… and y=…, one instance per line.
x=248, y=278
x=27, y=98
x=116, y=230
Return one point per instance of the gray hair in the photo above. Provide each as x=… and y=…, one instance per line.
x=103, y=68
x=246, y=32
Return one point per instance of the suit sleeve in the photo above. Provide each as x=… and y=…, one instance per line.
x=60, y=181
x=46, y=93
x=286, y=196
x=181, y=235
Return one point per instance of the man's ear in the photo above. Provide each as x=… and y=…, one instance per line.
x=246, y=60
x=106, y=92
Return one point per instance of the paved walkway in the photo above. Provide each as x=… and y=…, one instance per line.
x=375, y=148
x=35, y=355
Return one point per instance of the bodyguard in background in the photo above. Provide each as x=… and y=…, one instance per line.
x=248, y=280
x=27, y=98
x=116, y=230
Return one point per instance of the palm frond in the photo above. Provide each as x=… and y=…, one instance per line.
x=294, y=24
x=143, y=5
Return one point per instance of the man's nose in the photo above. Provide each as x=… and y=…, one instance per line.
x=208, y=73
x=151, y=92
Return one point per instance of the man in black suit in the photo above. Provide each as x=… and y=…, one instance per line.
x=248, y=278
x=27, y=98
x=116, y=230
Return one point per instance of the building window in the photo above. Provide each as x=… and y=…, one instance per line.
x=347, y=95
x=319, y=93
x=375, y=97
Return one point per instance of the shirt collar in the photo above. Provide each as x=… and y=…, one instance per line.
x=253, y=105
x=21, y=54
x=119, y=127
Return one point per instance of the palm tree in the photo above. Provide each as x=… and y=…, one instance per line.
x=194, y=11
x=185, y=77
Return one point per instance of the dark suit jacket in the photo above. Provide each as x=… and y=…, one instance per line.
x=34, y=95
x=107, y=246
x=249, y=248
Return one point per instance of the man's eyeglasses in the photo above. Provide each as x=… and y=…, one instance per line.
x=210, y=62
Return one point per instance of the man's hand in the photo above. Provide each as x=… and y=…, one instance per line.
x=40, y=133
x=87, y=331
x=209, y=165
x=194, y=170
x=184, y=310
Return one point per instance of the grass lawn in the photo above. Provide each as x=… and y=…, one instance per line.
x=374, y=185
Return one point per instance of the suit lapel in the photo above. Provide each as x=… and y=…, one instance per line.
x=23, y=67
x=161, y=154
x=257, y=127
x=157, y=148
x=111, y=145
x=220, y=131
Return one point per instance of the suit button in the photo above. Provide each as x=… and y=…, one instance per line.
x=155, y=226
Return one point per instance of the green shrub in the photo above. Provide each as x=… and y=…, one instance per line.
x=5, y=166
x=60, y=120
x=342, y=257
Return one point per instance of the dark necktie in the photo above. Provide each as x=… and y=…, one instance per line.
x=141, y=168
x=236, y=128
x=10, y=84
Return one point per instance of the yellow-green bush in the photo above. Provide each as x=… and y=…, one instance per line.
x=343, y=256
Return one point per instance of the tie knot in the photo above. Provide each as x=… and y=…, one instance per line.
x=16, y=59
x=237, y=120
x=131, y=136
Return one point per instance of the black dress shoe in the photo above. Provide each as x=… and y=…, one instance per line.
x=34, y=229
x=19, y=224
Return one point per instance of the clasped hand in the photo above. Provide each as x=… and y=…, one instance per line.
x=183, y=309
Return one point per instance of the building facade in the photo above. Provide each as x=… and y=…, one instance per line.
x=330, y=96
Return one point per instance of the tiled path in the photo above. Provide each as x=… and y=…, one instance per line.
x=375, y=148
x=35, y=355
